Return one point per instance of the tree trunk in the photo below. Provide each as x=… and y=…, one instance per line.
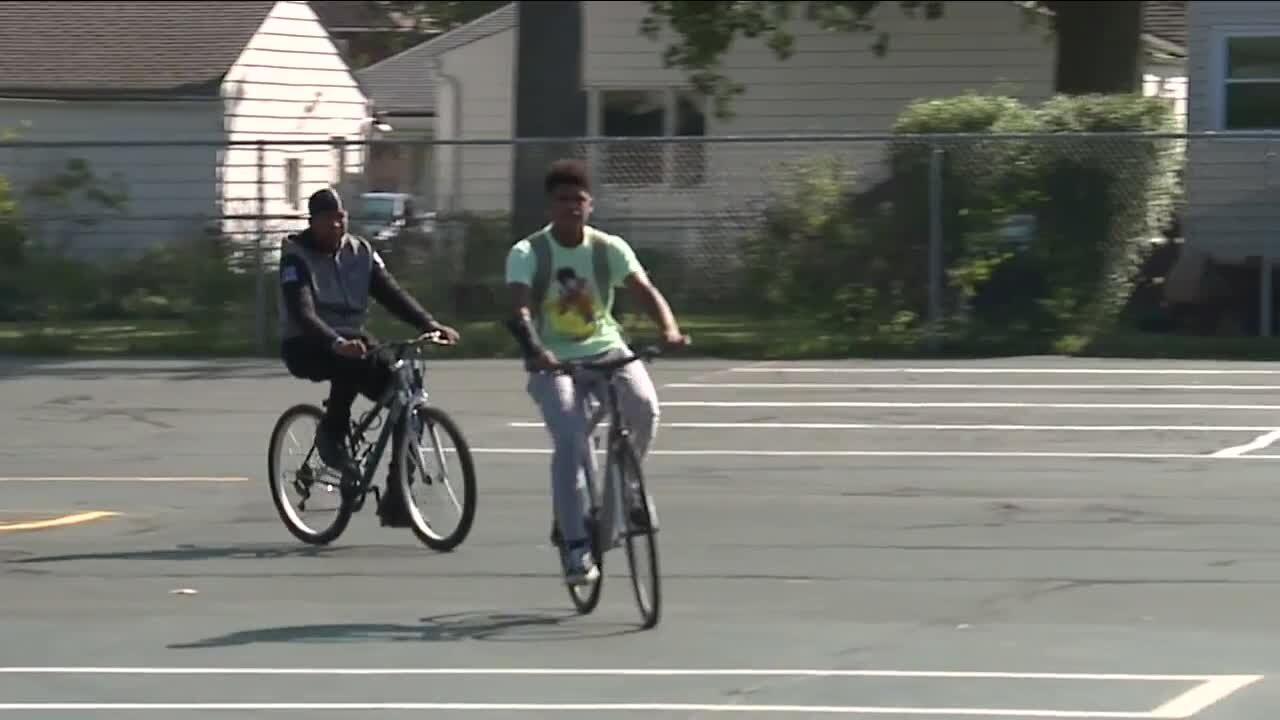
x=1099, y=46
x=549, y=100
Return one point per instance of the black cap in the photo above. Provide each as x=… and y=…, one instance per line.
x=322, y=201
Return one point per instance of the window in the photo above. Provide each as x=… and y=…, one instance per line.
x=1251, y=82
x=653, y=113
x=690, y=164
x=293, y=182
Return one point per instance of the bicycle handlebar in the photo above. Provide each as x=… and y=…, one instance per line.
x=434, y=337
x=647, y=353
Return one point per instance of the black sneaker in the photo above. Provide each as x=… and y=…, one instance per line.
x=332, y=447
x=393, y=511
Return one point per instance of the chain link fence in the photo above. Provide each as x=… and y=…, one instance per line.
x=935, y=236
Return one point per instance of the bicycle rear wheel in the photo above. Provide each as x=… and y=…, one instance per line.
x=641, y=538
x=309, y=480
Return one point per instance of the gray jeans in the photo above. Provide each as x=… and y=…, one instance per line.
x=558, y=400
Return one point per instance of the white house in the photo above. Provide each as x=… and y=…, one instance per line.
x=193, y=76
x=833, y=84
x=1233, y=180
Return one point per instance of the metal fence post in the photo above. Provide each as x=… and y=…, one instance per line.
x=1266, y=259
x=260, y=287
x=935, y=247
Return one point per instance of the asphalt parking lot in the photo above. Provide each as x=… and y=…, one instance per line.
x=1015, y=538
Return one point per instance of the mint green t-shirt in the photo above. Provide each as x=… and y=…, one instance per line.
x=577, y=317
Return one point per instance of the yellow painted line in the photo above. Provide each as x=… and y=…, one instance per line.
x=125, y=479
x=63, y=521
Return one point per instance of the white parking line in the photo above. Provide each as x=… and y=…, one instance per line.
x=616, y=672
x=1209, y=689
x=955, y=386
x=1193, y=701
x=589, y=707
x=121, y=479
x=1046, y=454
x=1257, y=443
x=1008, y=371
x=526, y=424
x=887, y=404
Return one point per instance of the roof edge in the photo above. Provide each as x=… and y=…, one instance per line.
x=207, y=92
x=1161, y=45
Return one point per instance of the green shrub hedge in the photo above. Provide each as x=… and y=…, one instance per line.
x=860, y=258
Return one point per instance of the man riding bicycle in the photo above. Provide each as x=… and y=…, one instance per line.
x=327, y=277
x=562, y=280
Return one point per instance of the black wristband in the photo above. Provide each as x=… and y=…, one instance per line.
x=525, y=335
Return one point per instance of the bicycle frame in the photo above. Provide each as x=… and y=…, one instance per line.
x=405, y=380
x=604, y=495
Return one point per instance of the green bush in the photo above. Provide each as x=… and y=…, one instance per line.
x=12, y=255
x=1100, y=203
x=862, y=260
x=470, y=282
x=1095, y=202
x=195, y=281
x=983, y=183
x=199, y=280
x=814, y=255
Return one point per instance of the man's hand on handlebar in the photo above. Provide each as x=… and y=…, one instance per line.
x=673, y=338
x=443, y=334
x=351, y=348
x=544, y=360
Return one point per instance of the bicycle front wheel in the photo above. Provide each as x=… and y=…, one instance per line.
x=436, y=458
x=642, y=542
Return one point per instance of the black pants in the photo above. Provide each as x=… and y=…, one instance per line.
x=348, y=377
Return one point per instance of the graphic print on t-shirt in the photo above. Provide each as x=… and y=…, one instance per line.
x=570, y=307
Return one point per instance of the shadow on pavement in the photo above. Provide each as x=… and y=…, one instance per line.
x=178, y=369
x=196, y=553
x=541, y=626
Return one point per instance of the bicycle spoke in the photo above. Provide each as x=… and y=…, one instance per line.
x=288, y=480
x=426, y=523
x=444, y=468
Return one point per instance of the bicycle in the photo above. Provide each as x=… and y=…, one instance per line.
x=407, y=389
x=636, y=506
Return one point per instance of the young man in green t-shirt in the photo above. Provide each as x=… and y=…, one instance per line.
x=574, y=321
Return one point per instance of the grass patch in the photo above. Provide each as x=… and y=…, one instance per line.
x=714, y=336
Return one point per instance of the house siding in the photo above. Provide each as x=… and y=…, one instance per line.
x=170, y=190
x=475, y=100
x=834, y=83
x=289, y=84
x=1231, y=183
x=405, y=161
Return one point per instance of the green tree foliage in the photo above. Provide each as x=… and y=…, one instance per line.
x=418, y=22
x=441, y=16
x=1098, y=42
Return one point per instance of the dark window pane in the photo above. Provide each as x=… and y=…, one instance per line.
x=633, y=113
x=690, y=158
x=1253, y=106
x=1253, y=58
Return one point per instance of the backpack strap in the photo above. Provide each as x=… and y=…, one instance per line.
x=541, y=275
x=600, y=263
